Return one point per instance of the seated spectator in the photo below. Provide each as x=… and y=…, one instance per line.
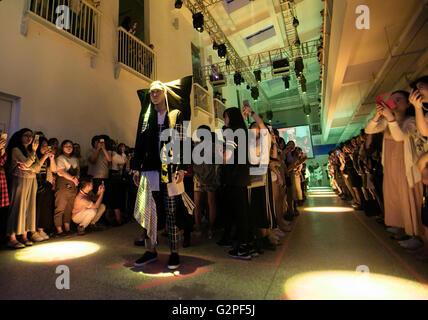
x=87, y=212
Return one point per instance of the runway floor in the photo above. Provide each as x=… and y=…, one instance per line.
x=336, y=254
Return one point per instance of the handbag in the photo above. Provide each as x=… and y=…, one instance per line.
x=175, y=189
x=424, y=213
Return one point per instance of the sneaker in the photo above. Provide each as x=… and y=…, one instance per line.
x=279, y=232
x=28, y=243
x=224, y=243
x=15, y=245
x=44, y=235
x=37, y=237
x=148, y=257
x=411, y=244
x=241, y=253
x=174, y=261
x=252, y=251
x=81, y=230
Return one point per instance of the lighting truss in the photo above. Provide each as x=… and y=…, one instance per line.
x=264, y=60
x=288, y=11
x=217, y=35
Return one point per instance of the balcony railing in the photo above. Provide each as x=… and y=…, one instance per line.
x=219, y=108
x=202, y=98
x=135, y=55
x=75, y=19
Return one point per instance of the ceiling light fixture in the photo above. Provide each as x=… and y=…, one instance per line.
x=198, y=21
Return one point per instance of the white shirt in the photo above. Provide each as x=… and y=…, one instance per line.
x=64, y=162
x=117, y=161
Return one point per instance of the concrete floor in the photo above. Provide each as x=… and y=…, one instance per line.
x=332, y=242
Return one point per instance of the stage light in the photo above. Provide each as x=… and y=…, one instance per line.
x=286, y=82
x=303, y=83
x=258, y=75
x=58, y=251
x=237, y=78
x=329, y=209
x=299, y=66
x=222, y=50
x=297, y=42
x=178, y=4
x=255, y=93
x=295, y=22
x=198, y=21
x=352, y=285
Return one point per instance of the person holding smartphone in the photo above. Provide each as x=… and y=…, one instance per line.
x=66, y=187
x=88, y=209
x=99, y=161
x=402, y=185
x=45, y=194
x=22, y=164
x=4, y=197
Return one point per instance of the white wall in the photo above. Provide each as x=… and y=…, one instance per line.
x=62, y=95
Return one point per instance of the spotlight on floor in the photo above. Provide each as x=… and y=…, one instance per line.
x=58, y=251
x=347, y=285
x=198, y=21
x=328, y=209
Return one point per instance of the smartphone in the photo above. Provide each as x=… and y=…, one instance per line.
x=36, y=138
x=386, y=99
x=337, y=152
x=101, y=140
x=246, y=103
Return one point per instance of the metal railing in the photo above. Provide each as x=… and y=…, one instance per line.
x=76, y=19
x=202, y=98
x=136, y=55
x=219, y=108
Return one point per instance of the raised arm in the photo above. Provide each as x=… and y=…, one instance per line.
x=376, y=124
x=421, y=119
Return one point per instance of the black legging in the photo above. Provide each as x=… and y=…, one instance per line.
x=236, y=204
